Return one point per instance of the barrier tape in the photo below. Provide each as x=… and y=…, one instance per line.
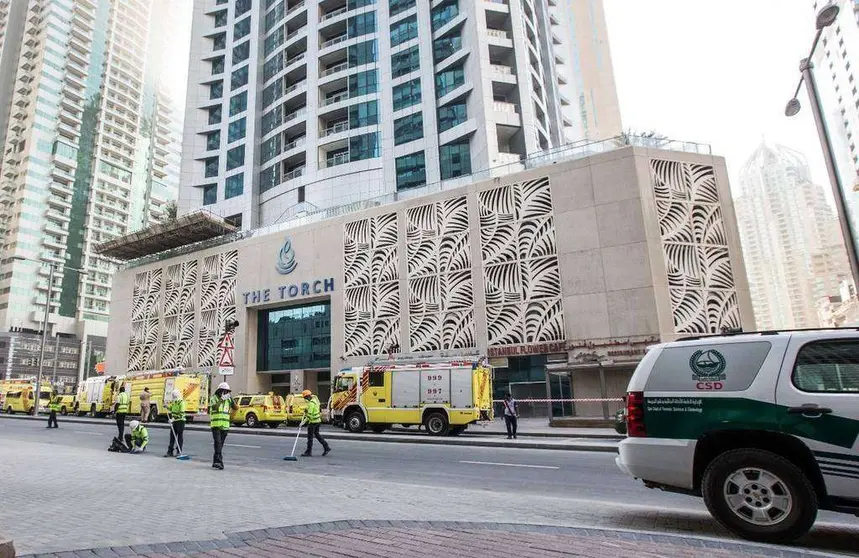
x=583, y=400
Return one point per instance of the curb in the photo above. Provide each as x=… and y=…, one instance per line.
x=607, y=447
x=243, y=539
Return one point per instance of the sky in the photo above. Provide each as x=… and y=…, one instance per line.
x=717, y=72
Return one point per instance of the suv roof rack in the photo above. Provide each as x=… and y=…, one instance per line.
x=737, y=331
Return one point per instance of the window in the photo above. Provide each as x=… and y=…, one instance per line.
x=449, y=80
x=360, y=3
x=411, y=171
x=65, y=150
x=238, y=103
x=404, y=30
x=241, y=29
x=398, y=6
x=220, y=18
x=362, y=53
x=272, y=67
x=443, y=14
x=363, y=114
x=272, y=119
x=445, y=46
x=242, y=6
x=241, y=52
x=239, y=78
x=211, y=166
x=828, y=366
x=234, y=185
x=451, y=115
x=274, y=16
x=237, y=130
x=408, y=128
x=294, y=337
x=269, y=178
x=219, y=41
x=272, y=93
x=405, y=62
x=234, y=220
x=235, y=157
x=273, y=41
x=210, y=194
x=361, y=24
x=377, y=379
x=455, y=159
x=216, y=90
x=218, y=65
x=270, y=148
x=407, y=94
x=365, y=146
x=213, y=141
x=363, y=83
x=215, y=115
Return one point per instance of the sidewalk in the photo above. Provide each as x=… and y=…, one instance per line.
x=403, y=436
x=444, y=538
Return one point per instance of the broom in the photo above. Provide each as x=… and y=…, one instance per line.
x=182, y=456
x=291, y=456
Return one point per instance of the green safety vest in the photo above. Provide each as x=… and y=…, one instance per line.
x=124, y=402
x=140, y=437
x=177, y=410
x=55, y=404
x=313, y=412
x=219, y=410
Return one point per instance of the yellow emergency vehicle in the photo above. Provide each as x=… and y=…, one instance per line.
x=19, y=396
x=444, y=396
x=67, y=404
x=295, y=406
x=193, y=386
x=257, y=410
x=95, y=395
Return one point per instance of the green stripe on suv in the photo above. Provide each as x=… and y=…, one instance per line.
x=688, y=418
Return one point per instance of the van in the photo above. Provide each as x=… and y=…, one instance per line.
x=258, y=410
x=764, y=427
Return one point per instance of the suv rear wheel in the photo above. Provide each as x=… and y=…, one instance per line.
x=759, y=495
x=251, y=420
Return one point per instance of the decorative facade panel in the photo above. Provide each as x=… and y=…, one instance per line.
x=179, y=312
x=521, y=274
x=371, y=285
x=700, y=274
x=441, y=288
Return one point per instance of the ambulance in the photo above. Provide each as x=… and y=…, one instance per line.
x=443, y=396
x=18, y=396
x=96, y=395
x=193, y=386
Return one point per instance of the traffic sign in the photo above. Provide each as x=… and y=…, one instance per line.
x=227, y=342
x=226, y=358
x=226, y=370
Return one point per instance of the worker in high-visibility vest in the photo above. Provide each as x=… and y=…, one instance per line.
x=120, y=409
x=139, y=437
x=220, y=405
x=54, y=408
x=313, y=419
x=176, y=418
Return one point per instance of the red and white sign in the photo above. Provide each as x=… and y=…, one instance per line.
x=226, y=362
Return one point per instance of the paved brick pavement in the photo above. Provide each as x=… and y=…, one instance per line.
x=359, y=539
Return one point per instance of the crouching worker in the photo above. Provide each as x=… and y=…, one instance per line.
x=139, y=437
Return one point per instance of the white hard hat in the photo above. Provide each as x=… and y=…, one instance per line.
x=224, y=386
x=177, y=394
x=134, y=424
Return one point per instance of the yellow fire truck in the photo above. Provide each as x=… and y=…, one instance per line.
x=18, y=396
x=443, y=396
x=193, y=386
x=96, y=395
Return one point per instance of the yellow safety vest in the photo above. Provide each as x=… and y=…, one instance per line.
x=219, y=410
x=124, y=402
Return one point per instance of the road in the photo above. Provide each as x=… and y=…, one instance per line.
x=360, y=480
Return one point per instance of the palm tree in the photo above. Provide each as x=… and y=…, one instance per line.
x=170, y=212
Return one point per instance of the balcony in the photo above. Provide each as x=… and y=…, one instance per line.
x=334, y=129
x=334, y=69
x=336, y=98
x=293, y=174
x=300, y=142
x=336, y=160
x=334, y=41
x=295, y=59
x=332, y=15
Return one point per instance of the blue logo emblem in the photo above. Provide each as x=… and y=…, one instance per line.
x=286, y=263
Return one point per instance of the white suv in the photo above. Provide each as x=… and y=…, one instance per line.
x=764, y=426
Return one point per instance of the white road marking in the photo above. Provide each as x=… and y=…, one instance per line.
x=510, y=465
x=89, y=433
x=242, y=446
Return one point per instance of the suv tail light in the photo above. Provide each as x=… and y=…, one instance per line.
x=635, y=415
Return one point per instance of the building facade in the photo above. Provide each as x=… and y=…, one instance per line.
x=90, y=152
x=295, y=106
x=834, y=62
x=561, y=275
x=793, y=248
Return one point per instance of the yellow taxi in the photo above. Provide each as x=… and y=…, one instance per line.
x=257, y=410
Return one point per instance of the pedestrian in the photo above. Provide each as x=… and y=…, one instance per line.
x=511, y=416
x=54, y=407
x=313, y=418
x=139, y=437
x=120, y=409
x=220, y=405
x=176, y=418
x=145, y=396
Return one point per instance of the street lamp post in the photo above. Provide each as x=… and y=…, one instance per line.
x=44, y=323
x=825, y=18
